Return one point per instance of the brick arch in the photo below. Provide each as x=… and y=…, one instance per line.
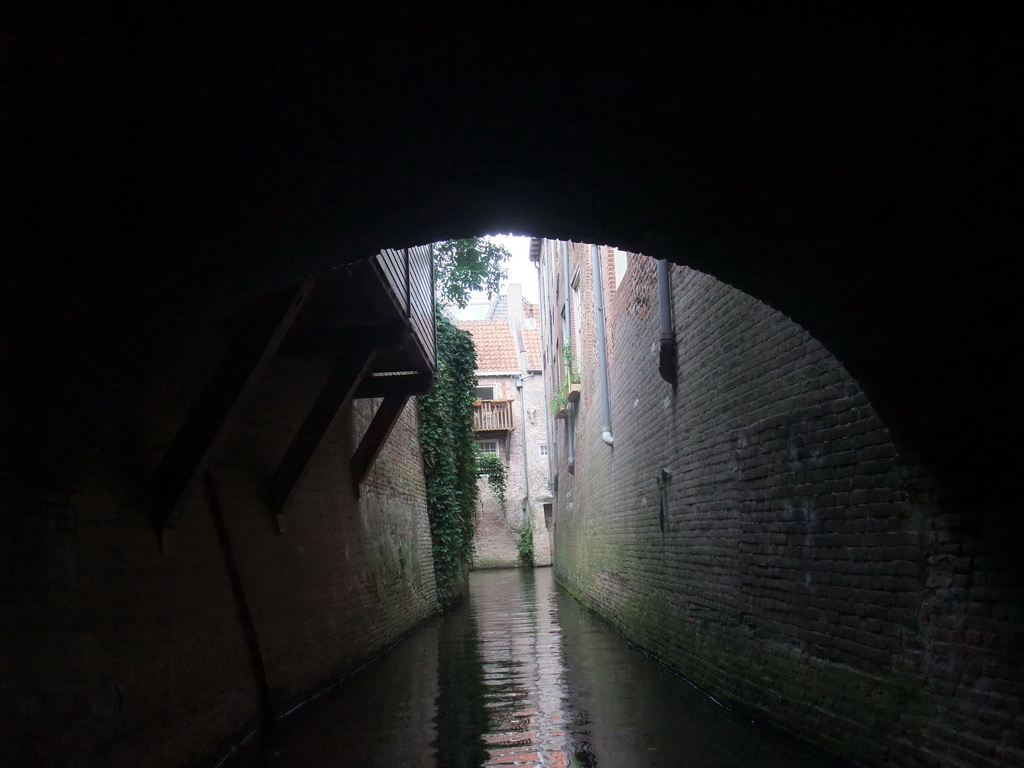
x=854, y=173
x=855, y=176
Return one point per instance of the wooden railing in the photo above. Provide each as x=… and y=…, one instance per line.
x=492, y=415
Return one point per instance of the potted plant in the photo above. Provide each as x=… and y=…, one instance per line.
x=560, y=400
x=572, y=375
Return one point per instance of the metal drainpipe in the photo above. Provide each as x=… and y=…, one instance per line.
x=542, y=277
x=570, y=439
x=522, y=420
x=569, y=334
x=602, y=351
x=667, y=355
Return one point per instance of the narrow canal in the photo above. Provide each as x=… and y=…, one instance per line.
x=521, y=674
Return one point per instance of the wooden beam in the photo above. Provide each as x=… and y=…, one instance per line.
x=335, y=340
x=376, y=435
x=336, y=394
x=181, y=469
x=387, y=386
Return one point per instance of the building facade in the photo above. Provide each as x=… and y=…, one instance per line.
x=511, y=423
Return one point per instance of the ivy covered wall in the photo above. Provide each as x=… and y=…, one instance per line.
x=448, y=441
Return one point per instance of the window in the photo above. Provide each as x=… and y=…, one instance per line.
x=489, y=447
x=543, y=450
x=485, y=393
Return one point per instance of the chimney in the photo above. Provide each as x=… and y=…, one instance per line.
x=514, y=292
x=515, y=301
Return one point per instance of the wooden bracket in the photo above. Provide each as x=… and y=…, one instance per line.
x=336, y=394
x=181, y=469
x=376, y=435
x=167, y=541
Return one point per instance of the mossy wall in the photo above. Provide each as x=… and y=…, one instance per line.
x=792, y=559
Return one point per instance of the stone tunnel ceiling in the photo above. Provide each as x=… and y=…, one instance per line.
x=856, y=171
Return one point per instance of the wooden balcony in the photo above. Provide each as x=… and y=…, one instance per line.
x=493, y=415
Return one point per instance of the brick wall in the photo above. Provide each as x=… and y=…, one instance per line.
x=125, y=656
x=798, y=563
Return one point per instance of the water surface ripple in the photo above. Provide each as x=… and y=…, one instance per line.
x=521, y=675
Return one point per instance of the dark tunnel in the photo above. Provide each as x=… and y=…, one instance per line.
x=164, y=168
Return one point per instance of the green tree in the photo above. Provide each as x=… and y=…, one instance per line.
x=467, y=265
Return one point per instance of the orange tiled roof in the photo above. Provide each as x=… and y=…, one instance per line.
x=495, y=350
x=532, y=338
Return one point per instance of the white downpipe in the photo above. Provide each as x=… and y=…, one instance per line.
x=602, y=350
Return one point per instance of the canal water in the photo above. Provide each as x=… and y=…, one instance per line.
x=521, y=674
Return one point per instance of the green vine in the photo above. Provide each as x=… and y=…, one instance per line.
x=572, y=372
x=497, y=475
x=524, y=545
x=560, y=397
x=449, y=449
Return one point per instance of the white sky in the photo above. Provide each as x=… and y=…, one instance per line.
x=520, y=270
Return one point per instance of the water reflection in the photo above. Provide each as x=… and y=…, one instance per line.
x=521, y=674
x=461, y=717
